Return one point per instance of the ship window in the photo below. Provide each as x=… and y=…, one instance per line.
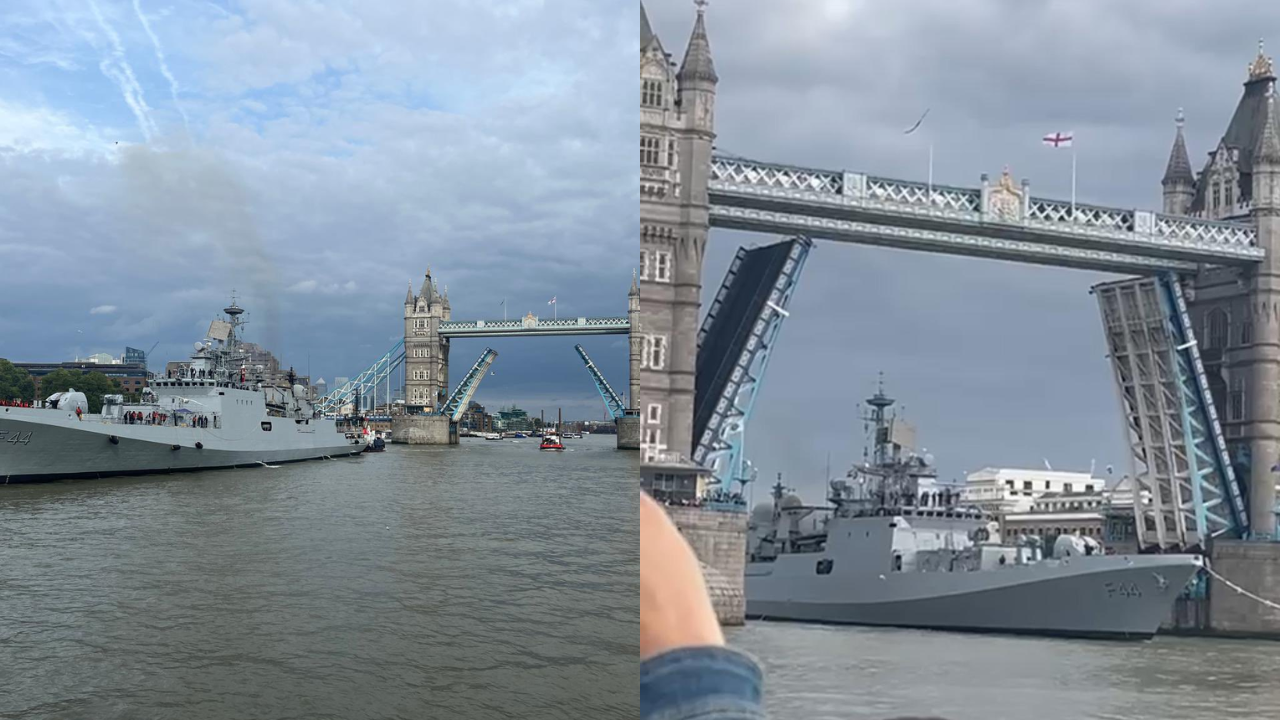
x=824, y=566
x=1026, y=484
x=266, y=426
x=897, y=563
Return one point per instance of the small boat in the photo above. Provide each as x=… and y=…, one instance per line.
x=551, y=441
x=378, y=445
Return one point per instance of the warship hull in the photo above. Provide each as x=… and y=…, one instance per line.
x=1109, y=596
x=40, y=445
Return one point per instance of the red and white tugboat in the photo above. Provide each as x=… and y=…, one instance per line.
x=551, y=438
x=551, y=441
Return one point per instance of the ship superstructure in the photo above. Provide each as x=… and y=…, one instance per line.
x=214, y=411
x=895, y=547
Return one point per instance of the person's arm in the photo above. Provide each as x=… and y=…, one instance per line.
x=685, y=671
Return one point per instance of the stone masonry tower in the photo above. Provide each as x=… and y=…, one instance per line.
x=1263, y=357
x=676, y=134
x=636, y=344
x=1236, y=312
x=426, y=354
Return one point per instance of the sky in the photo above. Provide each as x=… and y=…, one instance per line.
x=997, y=364
x=316, y=158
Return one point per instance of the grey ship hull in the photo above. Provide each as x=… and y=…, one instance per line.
x=1124, y=597
x=40, y=445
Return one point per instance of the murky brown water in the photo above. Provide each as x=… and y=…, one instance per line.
x=818, y=672
x=487, y=581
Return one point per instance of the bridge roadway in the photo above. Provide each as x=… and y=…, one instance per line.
x=531, y=326
x=996, y=220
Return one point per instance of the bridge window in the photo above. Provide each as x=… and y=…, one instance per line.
x=1217, y=322
x=1217, y=195
x=1227, y=200
x=658, y=354
x=652, y=436
x=651, y=93
x=1246, y=330
x=662, y=272
x=655, y=413
x=644, y=264
x=671, y=153
x=650, y=150
x=1237, y=398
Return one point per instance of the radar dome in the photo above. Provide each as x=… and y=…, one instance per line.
x=299, y=391
x=762, y=514
x=199, y=346
x=791, y=501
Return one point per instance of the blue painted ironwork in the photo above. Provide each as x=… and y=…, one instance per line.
x=1185, y=492
x=1214, y=478
x=390, y=361
x=530, y=325
x=616, y=407
x=734, y=344
x=994, y=220
x=456, y=404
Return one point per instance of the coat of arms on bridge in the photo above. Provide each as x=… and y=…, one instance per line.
x=529, y=321
x=1004, y=202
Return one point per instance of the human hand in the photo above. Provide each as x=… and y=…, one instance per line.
x=675, y=609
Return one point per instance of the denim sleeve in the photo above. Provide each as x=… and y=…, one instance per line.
x=708, y=683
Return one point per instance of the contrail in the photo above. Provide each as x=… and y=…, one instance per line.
x=117, y=68
x=164, y=66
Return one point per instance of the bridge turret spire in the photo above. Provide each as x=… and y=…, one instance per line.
x=408, y=295
x=697, y=63
x=1178, y=182
x=1266, y=159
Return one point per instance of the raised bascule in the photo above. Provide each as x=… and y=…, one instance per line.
x=1193, y=338
x=431, y=410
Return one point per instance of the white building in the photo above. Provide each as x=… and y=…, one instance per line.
x=1011, y=490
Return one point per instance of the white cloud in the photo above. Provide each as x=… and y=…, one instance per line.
x=103, y=310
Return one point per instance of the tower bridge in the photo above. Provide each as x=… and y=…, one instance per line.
x=1193, y=337
x=423, y=358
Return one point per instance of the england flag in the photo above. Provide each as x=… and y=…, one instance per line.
x=552, y=301
x=1058, y=139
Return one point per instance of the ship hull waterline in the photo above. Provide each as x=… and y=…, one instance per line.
x=1126, y=601
x=44, y=445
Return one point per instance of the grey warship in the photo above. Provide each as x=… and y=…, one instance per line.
x=212, y=414
x=895, y=548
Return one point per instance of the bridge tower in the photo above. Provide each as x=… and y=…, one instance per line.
x=635, y=343
x=1236, y=312
x=426, y=352
x=677, y=112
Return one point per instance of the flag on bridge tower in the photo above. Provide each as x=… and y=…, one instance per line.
x=552, y=303
x=1064, y=139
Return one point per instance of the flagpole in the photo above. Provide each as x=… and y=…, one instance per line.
x=1073, y=177
x=931, y=172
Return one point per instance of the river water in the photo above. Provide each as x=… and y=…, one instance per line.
x=483, y=581
x=819, y=672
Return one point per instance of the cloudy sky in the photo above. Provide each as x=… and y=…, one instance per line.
x=316, y=158
x=997, y=364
